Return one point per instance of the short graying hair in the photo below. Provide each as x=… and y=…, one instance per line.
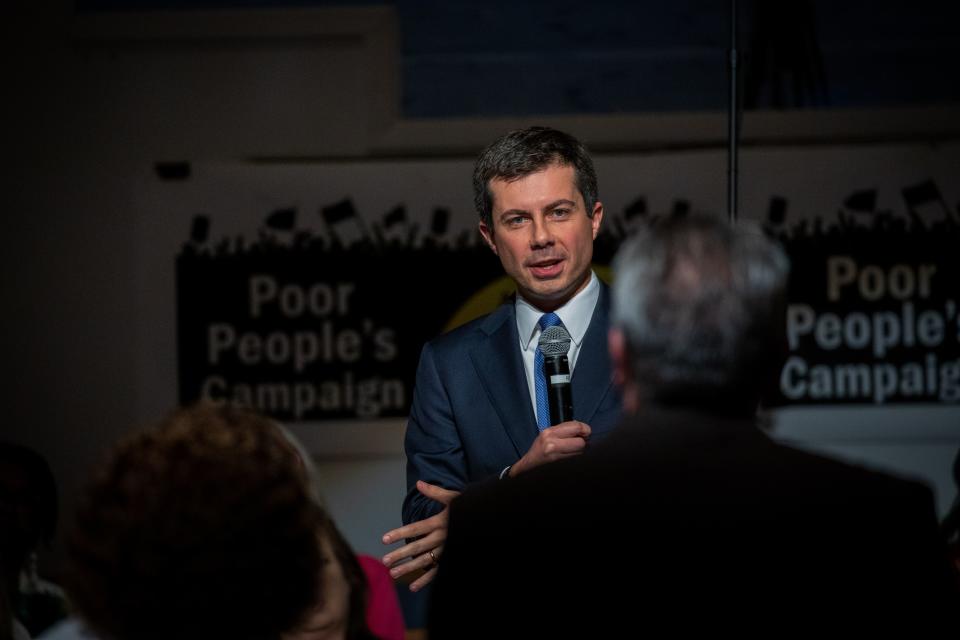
x=700, y=304
x=517, y=154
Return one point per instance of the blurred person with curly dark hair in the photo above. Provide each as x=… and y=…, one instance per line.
x=202, y=527
x=209, y=525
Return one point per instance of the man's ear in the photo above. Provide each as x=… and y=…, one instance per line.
x=596, y=218
x=616, y=345
x=487, y=234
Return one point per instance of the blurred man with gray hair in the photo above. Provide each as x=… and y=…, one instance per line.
x=689, y=514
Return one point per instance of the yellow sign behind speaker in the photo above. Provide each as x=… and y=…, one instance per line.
x=496, y=293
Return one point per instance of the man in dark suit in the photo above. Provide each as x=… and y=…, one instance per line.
x=476, y=412
x=688, y=515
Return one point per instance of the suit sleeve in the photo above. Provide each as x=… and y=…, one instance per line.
x=432, y=443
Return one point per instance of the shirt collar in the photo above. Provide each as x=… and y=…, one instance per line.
x=575, y=315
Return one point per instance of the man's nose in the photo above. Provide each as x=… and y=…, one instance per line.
x=540, y=235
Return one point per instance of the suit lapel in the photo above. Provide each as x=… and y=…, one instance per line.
x=498, y=363
x=591, y=377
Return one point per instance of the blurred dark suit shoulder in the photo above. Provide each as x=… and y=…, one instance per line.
x=697, y=522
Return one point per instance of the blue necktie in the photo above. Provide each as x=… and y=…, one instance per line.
x=539, y=380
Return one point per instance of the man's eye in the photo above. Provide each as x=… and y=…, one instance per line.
x=515, y=221
x=559, y=213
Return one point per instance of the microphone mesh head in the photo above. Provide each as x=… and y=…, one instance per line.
x=554, y=341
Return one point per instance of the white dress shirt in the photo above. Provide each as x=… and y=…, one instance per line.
x=575, y=315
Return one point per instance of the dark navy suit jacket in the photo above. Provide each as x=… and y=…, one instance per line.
x=471, y=414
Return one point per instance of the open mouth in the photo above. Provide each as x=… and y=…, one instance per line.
x=546, y=268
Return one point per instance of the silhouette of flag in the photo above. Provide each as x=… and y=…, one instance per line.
x=342, y=220
x=172, y=170
x=925, y=203
x=339, y=212
x=397, y=215
x=777, y=210
x=864, y=201
x=282, y=219
x=199, y=229
x=680, y=208
x=636, y=208
x=921, y=193
x=439, y=222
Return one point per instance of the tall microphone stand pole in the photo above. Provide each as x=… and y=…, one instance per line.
x=733, y=120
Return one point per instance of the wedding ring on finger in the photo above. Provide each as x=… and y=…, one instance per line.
x=433, y=557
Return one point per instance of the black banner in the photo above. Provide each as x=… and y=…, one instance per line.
x=308, y=326
x=872, y=315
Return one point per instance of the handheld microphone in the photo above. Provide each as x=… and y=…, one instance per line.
x=554, y=344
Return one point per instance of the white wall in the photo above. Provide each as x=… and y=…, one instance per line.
x=96, y=103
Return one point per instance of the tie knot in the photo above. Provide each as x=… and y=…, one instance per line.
x=548, y=320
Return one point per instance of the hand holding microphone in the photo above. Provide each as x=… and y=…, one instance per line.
x=566, y=437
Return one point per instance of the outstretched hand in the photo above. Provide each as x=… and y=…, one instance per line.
x=424, y=552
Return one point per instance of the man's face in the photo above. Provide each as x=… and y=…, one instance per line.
x=543, y=235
